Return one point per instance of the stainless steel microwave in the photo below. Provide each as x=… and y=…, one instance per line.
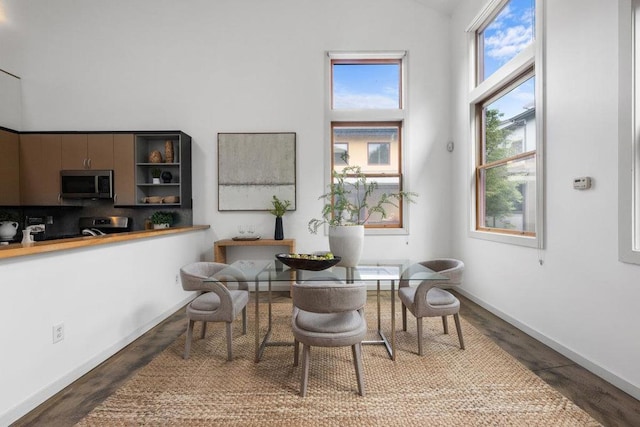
x=86, y=184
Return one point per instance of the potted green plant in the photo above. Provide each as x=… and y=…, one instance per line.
x=349, y=203
x=278, y=209
x=155, y=174
x=162, y=219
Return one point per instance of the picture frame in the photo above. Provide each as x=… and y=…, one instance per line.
x=253, y=167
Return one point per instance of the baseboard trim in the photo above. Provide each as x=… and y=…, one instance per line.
x=47, y=392
x=576, y=357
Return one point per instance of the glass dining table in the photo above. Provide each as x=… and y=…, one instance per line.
x=264, y=273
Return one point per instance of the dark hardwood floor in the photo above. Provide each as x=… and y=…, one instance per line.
x=601, y=400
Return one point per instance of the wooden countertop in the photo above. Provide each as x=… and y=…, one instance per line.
x=18, y=249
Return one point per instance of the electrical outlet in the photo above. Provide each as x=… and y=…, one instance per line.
x=177, y=279
x=58, y=332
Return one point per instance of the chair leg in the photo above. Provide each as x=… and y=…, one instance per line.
x=419, y=327
x=356, y=349
x=404, y=317
x=204, y=330
x=244, y=320
x=229, y=339
x=187, y=344
x=459, y=329
x=445, y=325
x=296, y=350
x=306, y=350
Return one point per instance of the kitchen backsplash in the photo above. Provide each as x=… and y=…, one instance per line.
x=66, y=218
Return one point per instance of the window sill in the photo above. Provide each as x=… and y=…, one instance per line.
x=528, y=241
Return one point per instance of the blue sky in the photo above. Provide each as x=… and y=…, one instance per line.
x=365, y=86
x=510, y=32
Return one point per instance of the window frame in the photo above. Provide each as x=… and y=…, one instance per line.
x=529, y=60
x=628, y=126
x=372, y=117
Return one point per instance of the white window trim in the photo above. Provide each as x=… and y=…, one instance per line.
x=398, y=115
x=529, y=56
x=628, y=123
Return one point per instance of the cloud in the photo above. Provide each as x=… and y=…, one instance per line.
x=345, y=100
x=511, y=31
x=506, y=44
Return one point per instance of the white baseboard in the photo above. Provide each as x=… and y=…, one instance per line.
x=45, y=393
x=579, y=359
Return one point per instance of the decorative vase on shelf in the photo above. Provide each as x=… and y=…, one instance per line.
x=168, y=151
x=279, y=234
x=155, y=157
x=166, y=177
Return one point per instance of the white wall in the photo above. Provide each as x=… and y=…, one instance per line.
x=582, y=300
x=106, y=296
x=238, y=66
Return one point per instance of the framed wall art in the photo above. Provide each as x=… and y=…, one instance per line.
x=253, y=167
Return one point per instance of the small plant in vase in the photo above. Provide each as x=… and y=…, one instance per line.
x=155, y=174
x=279, y=208
x=161, y=219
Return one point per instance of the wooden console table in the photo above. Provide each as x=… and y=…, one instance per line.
x=220, y=247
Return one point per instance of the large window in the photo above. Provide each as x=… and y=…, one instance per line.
x=505, y=106
x=366, y=115
x=629, y=134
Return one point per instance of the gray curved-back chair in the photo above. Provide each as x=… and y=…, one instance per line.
x=429, y=299
x=328, y=314
x=217, y=303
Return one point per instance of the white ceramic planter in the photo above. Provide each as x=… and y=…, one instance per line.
x=347, y=242
x=160, y=226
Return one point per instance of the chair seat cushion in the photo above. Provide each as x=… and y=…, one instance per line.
x=209, y=301
x=329, y=322
x=435, y=296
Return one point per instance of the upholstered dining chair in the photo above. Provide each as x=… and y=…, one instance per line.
x=429, y=299
x=328, y=314
x=216, y=303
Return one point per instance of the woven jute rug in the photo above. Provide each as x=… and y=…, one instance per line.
x=481, y=385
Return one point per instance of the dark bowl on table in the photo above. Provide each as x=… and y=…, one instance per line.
x=307, y=264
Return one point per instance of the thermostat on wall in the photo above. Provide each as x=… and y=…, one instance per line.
x=582, y=183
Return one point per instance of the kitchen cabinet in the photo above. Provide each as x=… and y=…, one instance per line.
x=9, y=168
x=177, y=191
x=87, y=151
x=40, y=164
x=124, y=170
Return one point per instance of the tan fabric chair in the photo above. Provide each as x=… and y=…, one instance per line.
x=428, y=299
x=217, y=303
x=328, y=314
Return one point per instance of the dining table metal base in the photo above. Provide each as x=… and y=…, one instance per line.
x=262, y=342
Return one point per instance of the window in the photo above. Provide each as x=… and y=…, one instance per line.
x=365, y=115
x=629, y=141
x=505, y=106
x=378, y=153
x=366, y=84
x=340, y=153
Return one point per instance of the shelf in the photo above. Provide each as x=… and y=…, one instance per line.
x=180, y=168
